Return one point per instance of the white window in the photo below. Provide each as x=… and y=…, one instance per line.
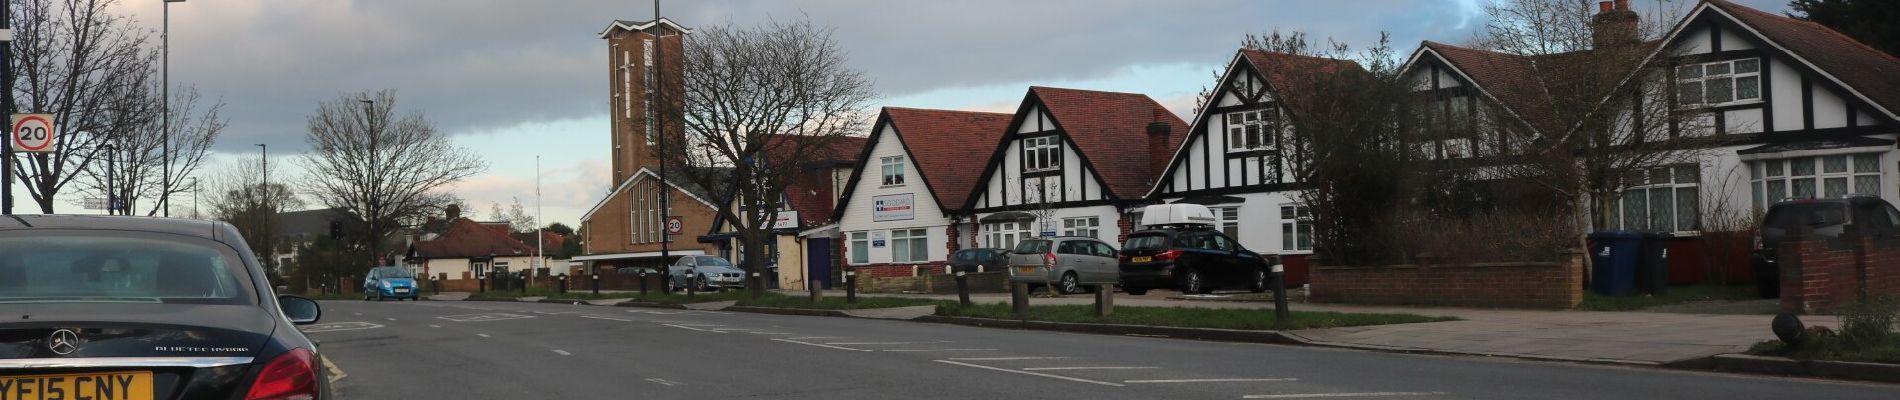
x=1003, y=235
x=860, y=248
x=1252, y=130
x=1811, y=177
x=652, y=133
x=893, y=168
x=1042, y=154
x=910, y=245
x=1718, y=83
x=1227, y=219
x=1085, y=226
x=1296, y=228
x=626, y=84
x=1666, y=199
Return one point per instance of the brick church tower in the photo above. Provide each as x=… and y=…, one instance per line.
x=634, y=48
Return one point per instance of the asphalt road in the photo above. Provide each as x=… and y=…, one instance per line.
x=488, y=350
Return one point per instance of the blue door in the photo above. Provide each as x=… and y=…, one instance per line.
x=818, y=261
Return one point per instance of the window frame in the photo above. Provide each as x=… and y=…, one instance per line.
x=1702, y=79
x=1296, y=228
x=1253, y=130
x=1780, y=173
x=1090, y=226
x=1042, y=153
x=857, y=239
x=1226, y=218
x=904, y=239
x=1672, y=190
x=886, y=165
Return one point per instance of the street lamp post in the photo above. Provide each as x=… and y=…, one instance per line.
x=112, y=160
x=270, y=259
x=369, y=109
x=165, y=105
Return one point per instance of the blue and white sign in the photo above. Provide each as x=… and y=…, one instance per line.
x=893, y=207
x=878, y=243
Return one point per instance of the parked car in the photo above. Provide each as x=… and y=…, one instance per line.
x=170, y=308
x=1070, y=263
x=1181, y=252
x=710, y=272
x=1867, y=216
x=635, y=271
x=390, y=283
x=967, y=260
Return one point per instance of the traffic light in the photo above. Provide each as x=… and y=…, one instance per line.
x=336, y=230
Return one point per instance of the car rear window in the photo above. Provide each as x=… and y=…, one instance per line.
x=1792, y=216
x=119, y=267
x=1151, y=241
x=1032, y=246
x=393, y=273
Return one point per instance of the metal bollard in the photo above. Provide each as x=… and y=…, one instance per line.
x=850, y=285
x=689, y=284
x=563, y=283
x=596, y=283
x=1104, y=300
x=523, y=281
x=481, y=284
x=963, y=289
x=1280, y=313
x=435, y=284
x=643, y=284
x=1019, y=298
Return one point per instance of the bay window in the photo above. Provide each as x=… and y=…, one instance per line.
x=1829, y=176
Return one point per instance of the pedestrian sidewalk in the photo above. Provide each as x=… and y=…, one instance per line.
x=1642, y=338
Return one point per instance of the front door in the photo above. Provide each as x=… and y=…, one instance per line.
x=818, y=261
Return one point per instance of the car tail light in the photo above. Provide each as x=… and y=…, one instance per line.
x=1049, y=259
x=1169, y=255
x=291, y=376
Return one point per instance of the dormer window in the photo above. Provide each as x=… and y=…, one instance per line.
x=893, y=168
x=1719, y=83
x=1043, y=153
x=1253, y=129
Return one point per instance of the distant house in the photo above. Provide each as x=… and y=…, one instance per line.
x=467, y=249
x=911, y=182
x=822, y=166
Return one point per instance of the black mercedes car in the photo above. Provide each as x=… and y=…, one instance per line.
x=117, y=308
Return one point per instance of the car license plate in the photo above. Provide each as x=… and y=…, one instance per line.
x=99, y=385
x=1026, y=270
x=402, y=290
x=1142, y=259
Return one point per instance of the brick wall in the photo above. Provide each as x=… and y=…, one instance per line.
x=898, y=270
x=980, y=282
x=950, y=244
x=1125, y=225
x=1819, y=275
x=1511, y=285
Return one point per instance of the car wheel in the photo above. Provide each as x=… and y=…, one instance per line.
x=1259, y=281
x=1194, y=282
x=1070, y=284
x=1135, y=291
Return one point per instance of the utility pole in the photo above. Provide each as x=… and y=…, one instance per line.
x=6, y=86
x=540, y=254
x=270, y=250
x=659, y=93
x=165, y=105
x=112, y=194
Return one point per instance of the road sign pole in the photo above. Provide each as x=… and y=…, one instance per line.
x=6, y=97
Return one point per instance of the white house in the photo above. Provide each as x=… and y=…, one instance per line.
x=1073, y=163
x=911, y=186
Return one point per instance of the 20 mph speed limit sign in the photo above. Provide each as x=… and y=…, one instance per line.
x=32, y=133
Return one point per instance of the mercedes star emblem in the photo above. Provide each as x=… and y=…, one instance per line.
x=63, y=342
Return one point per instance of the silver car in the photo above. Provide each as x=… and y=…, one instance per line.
x=1070, y=264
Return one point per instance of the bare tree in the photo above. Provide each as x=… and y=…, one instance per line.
x=517, y=216
x=750, y=93
x=90, y=69
x=240, y=196
x=137, y=157
x=386, y=170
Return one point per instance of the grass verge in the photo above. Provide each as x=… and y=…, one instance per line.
x=836, y=302
x=1188, y=317
x=1677, y=295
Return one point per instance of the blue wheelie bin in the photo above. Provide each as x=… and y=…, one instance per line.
x=1614, y=256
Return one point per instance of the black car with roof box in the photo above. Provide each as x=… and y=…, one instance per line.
x=1183, y=251
x=118, y=308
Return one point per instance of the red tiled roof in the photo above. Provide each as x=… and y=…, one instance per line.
x=1865, y=69
x=810, y=191
x=1292, y=75
x=1110, y=130
x=466, y=238
x=948, y=147
x=1511, y=78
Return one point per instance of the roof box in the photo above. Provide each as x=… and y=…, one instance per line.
x=1176, y=214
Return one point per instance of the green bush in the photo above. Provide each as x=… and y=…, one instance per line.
x=1868, y=324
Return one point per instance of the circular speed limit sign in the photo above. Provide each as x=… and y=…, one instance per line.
x=32, y=133
x=674, y=225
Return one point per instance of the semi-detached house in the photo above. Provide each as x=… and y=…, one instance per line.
x=1072, y=163
x=896, y=214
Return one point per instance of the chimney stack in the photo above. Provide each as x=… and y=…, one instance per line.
x=1159, y=136
x=1615, y=25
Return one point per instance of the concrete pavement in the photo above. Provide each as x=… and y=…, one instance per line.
x=488, y=350
x=1640, y=338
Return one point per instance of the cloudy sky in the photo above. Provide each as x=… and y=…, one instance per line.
x=513, y=79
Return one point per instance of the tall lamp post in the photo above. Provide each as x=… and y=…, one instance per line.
x=165, y=105
x=375, y=189
x=270, y=258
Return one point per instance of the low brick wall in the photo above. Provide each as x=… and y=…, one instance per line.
x=980, y=282
x=898, y=270
x=1547, y=285
x=1820, y=275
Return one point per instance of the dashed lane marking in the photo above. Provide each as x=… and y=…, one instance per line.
x=563, y=352
x=1007, y=358
x=770, y=333
x=664, y=382
x=1080, y=368
x=816, y=337
x=482, y=334
x=818, y=345
x=883, y=343
x=606, y=318
x=391, y=319
x=339, y=326
x=1320, y=395
x=483, y=317
x=691, y=328
x=924, y=350
x=1066, y=378
x=1209, y=380
x=434, y=326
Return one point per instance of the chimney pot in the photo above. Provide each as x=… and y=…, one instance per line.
x=1605, y=6
x=1622, y=4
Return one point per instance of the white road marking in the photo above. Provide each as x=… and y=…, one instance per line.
x=714, y=312
x=339, y=326
x=882, y=343
x=1318, y=395
x=1007, y=358
x=699, y=324
x=1066, y=378
x=336, y=374
x=391, y=319
x=483, y=317
x=481, y=334
x=818, y=344
x=606, y=318
x=434, y=326
x=770, y=333
x=916, y=350
x=563, y=352
x=1209, y=380
x=734, y=329
x=663, y=381
x=692, y=328
x=1080, y=368
x=817, y=337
